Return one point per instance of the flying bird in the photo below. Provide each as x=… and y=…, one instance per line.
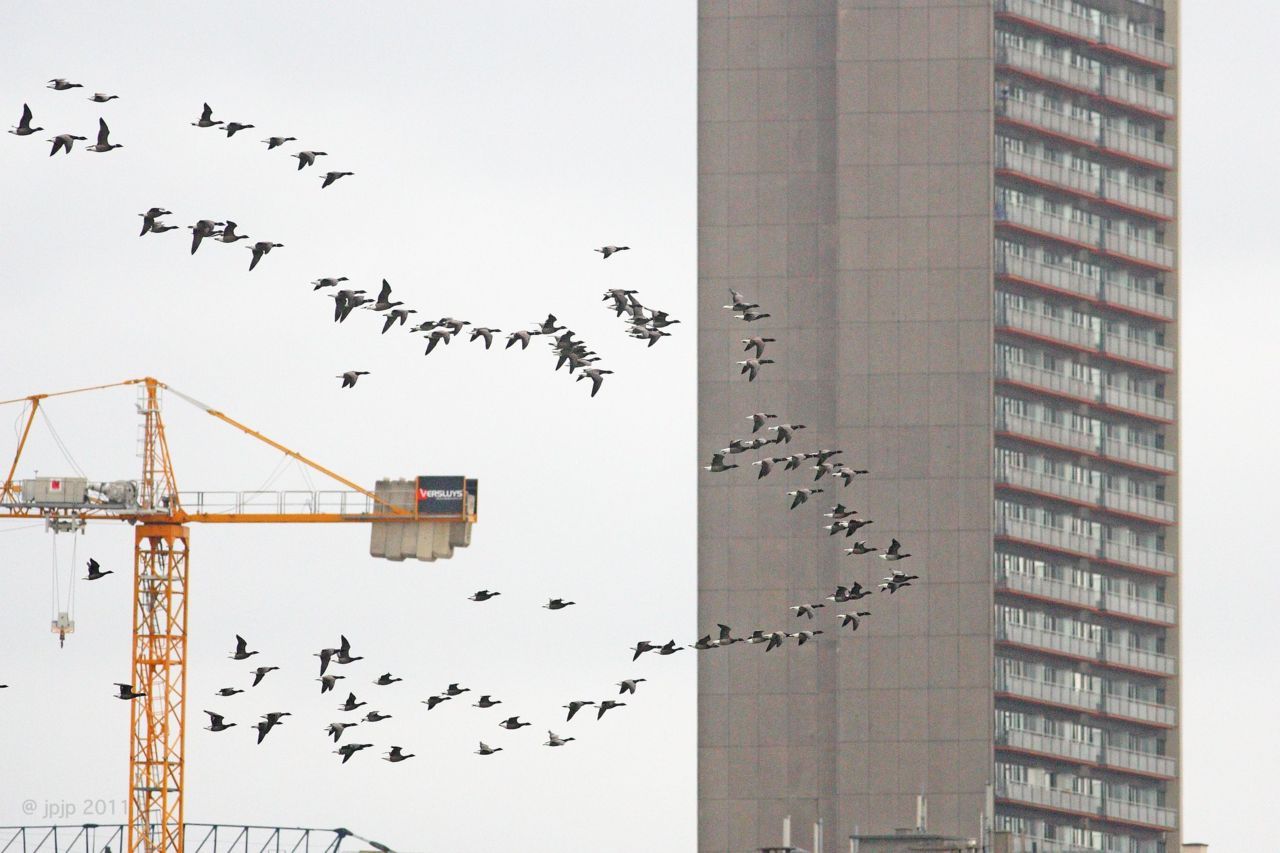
x=344, y=651
x=752, y=367
x=486, y=701
x=328, y=682
x=555, y=740
x=234, y=127
x=611, y=250
x=24, y=127
x=126, y=691
x=95, y=571
x=327, y=282
x=61, y=85
x=349, y=749
x=738, y=302
x=575, y=706
x=216, y=723
x=206, y=118
x=513, y=723
x=758, y=420
x=893, y=552
x=628, y=685
x=642, y=647
x=242, y=650
x=852, y=620
x=455, y=690
x=557, y=604
x=102, y=98
x=521, y=336
x=308, y=158
x=336, y=729
x=350, y=378
x=386, y=679
x=261, y=673
x=229, y=234
x=64, y=141
x=432, y=701
x=262, y=248
x=608, y=705
x=396, y=755
x=149, y=219
x=229, y=691
x=805, y=609
x=717, y=464
x=756, y=343
x=482, y=595
x=484, y=332
x=802, y=495
x=330, y=177
x=485, y=749
x=596, y=376
x=375, y=717
x=203, y=228
x=277, y=141
x=860, y=547
x=351, y=704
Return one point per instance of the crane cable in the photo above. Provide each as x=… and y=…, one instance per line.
x=57, y=439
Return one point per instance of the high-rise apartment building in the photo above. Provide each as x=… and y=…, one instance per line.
x=961, y=218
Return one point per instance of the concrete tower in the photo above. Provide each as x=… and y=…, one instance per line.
x=961, y=217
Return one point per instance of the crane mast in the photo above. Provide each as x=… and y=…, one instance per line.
x=161, y=575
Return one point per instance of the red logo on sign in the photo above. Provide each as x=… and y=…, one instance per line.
x=55, y=485
x=422, y=494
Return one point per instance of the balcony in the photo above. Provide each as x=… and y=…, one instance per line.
x=1107, y=290
x=1077, y=544
x=1099, y=754
x=1117, y=142
x=1068, y=594
x=1111, y=654
x=1086, y=804
x=1084, y=80
x=1093, y=186
x=1083, y=338
x=1061, y=384
x=1099, y=704
x=1105, y=37
x=1091, y=494
x=1089, y=235
x=1031, y=844
x=1056, y=435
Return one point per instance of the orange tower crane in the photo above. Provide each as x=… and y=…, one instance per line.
x=442, y=510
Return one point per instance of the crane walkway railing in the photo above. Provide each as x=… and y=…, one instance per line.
x=197, y=838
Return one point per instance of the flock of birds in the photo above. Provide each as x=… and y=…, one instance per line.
x=566, y=347
x=843, y=519
x=341, y=655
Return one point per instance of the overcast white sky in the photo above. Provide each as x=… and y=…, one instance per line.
x=495, y=143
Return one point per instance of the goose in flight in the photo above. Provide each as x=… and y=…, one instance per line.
x=575, y=706
x=558, y=604
x=756, y=343
x=261, y=673
x=394, y=315
x=60, y=85
x=336, y=729
x=206, y=118
x=482, y=595
x=328, y=682
x=64, y=141
x=386, y=680
x=383, y=301
x=752, y=367
x=229, y=691
x=351, y=704
x=608, y=705
x=642, y=647
x=102, y=97
x=596, y=376
x=330, y=177
x=786, y=431
x=860, y=547
x=262, y=248
x=522, y=336
x=95, y=571
x=229, y=234
x=717, y=464
x=775, y=639
x=554, y=739
x=216, y=723
x=24, y=127
x=893, y=552
x=803, y=637
x=349, y=749
x=852, y=620
x=840, y=511
x=485, y=749
x=805, y=609
x=375, y=717
x=628, y=685
x=344, y=651
x=486, y=701
x=432, y=701
x=751, y=316
x=149, y=218
x=455, y=690
x=739, y=303
x=126, y=691
x=242, y=650
x=758, y=420
x=513, y=723
x=234, y=127
x=436, y=336
x=484, y=332
x=802, y=495
x=264, y=728
x=350, y=378
x=308, y=158
x=397, y=754
x=327, y=282
x=203, y=228
x=611, y=250
x=277, y=141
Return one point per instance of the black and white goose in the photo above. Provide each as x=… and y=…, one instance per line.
x=554, y=739
x=486, y=701
x=336, y=729
x=229, y=234
x=350, y=377
x=330, y=177
x=386, y=680
x=234, y=127
x=308, y=158
x=376, y=717
x=203, y=228
x=432, y=701
x=852, y=620
x=752, y=366
x=261, y=673
x=482, y=595
x=349, y=749
x=397, y=754
x=575, y=706
x=485, y=749
x=860, y=547
x=261, y=249
x=786, y=432
x=513, y=723
x=803, y=637
x=229, y=691
x=328, y=682
x=642, y=647
x=894, y=552
x=607, y=705
x=758, y=420
x=717, y=464
x=455, y=690
x=126, y=691
x=595, y=375
x=484, y=332
x=558, y=604
x=206, y=118
x=216, y=723
x=103, y=144
x=756, y=342
x=242, y=650
x=805, y=609
x=739, y=303
x=60, y=85
x=628, y=685
x=102, y=97
x=64, y=141
x=840, y=511
x=351, y=704
x=277, y=141
x=400, y=315
x=799, y=496
x=24, y=127
x=606, y=251
x=95, y=571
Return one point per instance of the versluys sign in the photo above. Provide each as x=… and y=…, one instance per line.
x=441, y=495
